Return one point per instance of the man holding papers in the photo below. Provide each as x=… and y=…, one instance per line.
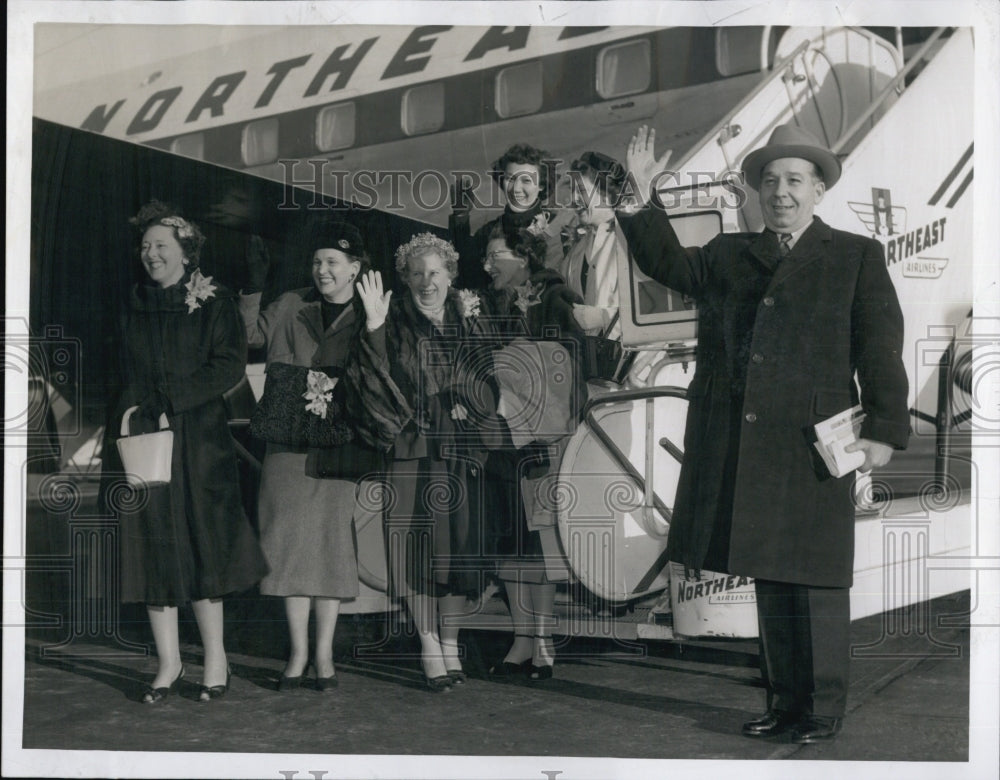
x=787, y=319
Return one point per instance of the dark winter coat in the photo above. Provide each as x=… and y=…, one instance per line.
x=779, y=345
x=205, y=544
x=547, y=314
x=414, y=374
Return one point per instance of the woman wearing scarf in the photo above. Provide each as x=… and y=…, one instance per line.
x=523, y=176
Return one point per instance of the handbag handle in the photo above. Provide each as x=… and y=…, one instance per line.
x=128, y=416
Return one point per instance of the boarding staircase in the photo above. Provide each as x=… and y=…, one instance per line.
x=844, y=85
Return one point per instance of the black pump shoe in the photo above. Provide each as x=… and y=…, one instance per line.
x=152, y=695
x=286, y=684
x=539, y=673
x=326, y=683
x=207, y=693
x=509, y=669
x=506, y=669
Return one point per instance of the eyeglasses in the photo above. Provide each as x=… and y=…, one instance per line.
x=503, y=255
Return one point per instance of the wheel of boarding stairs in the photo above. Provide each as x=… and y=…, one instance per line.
x=613, y=532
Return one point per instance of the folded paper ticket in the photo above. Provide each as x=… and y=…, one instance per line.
x=834, y=434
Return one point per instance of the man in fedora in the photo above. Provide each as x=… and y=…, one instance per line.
x=787, y=319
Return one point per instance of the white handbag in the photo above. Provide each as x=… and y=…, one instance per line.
x=146, y=457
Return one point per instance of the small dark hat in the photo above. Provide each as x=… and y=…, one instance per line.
x=338, y=235
x=791, y=141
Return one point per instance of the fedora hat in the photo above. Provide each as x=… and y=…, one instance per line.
x=791, y=141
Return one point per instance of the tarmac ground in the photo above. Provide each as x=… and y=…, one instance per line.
x=908, y=698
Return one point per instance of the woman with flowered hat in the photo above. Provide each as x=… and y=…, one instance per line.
x=188, y=540
x=426, y=346
x=306, y=509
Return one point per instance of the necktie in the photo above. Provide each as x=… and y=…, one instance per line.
x=784, y=244
x=587, y=255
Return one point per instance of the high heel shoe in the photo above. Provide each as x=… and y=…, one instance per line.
x=286, y=684
x=507, y=669
x=539, y=672
x=152, y=695
x=326, y=683
x=207, y=693
x=439, y=684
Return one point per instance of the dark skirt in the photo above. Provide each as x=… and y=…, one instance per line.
x=508, y=535
x=522, y=550
x=432, y=528
x=190, y=539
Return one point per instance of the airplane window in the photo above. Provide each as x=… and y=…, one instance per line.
x=192, y=145
x=737, y=50
x=423, y=109
x=623, y=69
x=260, y=142
x=335, y=127
x=519, y=89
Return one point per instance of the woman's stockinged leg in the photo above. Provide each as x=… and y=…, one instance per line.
x=168, y=652
x=519, y=597
x=449, y=609
x=327, y=611
x=297, y=614
x=423, y=610
x=543, y=598
x=209, y=614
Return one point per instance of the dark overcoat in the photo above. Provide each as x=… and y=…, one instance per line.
x=779, y=347
x=189, y=539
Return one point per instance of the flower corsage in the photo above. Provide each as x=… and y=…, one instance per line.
x=199, y=289
x=538, y=224
x=468, y=303
x=528, y=295
x=319, y=392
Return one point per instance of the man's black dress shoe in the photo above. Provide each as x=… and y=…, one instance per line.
x=816, y=729
x=773, y=722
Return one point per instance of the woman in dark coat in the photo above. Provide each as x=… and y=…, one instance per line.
x=419, y=346
x=307, y=518
x=189, y=540
x=531, y=301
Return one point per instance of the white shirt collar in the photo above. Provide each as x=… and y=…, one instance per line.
x=798, y=233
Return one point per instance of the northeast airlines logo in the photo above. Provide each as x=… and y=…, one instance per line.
x=914, y=248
